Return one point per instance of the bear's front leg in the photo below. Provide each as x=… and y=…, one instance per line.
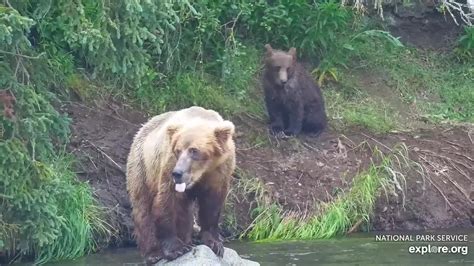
x=295, y=118
x=165, y=220
x=275, y=116
x=210, y=205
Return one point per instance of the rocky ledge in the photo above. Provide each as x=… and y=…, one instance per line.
x=202, y=255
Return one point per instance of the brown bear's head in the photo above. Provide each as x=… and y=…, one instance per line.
x=199, y=149
x=280, y=65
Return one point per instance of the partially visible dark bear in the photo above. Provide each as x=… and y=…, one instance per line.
x=294, y=101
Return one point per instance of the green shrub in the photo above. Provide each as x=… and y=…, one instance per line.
x=465, y=45
x=44, y=212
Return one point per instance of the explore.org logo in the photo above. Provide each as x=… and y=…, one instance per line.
x=434, y=249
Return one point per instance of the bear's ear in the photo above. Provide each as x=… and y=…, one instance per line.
x=292, y=52
x=269, y=49
x=224, y=131
x=171, y=130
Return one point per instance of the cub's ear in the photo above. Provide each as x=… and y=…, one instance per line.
x=224, y=131
x=269, y=49
x=292, y=52
x=171, y=130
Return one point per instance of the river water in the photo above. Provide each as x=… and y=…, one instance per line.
x=358, y=249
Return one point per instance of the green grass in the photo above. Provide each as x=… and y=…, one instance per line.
x=230, y=92
x=245, y=189
x=83, y=225
x=438, y=84
x=384, y=86
x=63, y=222
x=362, y=111
x=340, y=215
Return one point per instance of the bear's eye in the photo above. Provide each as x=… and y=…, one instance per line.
x=195, y=154
x=177, y=152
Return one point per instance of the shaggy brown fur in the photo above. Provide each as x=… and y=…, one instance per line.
x=163, y=217
x=294, y=101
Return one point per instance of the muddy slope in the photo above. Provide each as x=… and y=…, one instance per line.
x=298, y=173
x=101, y=139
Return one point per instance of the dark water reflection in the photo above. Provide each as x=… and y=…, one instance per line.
x=359, y=249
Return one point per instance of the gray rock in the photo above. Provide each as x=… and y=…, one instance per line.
x=202, y=255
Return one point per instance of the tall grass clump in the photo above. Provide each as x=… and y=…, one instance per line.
x=465, y=45
x=341, y=214
x=245, y=190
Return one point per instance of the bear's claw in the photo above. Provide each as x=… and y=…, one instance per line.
x=174, y=248
x=151, y=260
x=214, y=242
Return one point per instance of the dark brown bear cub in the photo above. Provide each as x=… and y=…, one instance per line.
x=294, y=102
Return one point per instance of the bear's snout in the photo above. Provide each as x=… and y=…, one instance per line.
x=177, y=176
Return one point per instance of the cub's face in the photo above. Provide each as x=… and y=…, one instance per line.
x=280, y=64
x=198, y=149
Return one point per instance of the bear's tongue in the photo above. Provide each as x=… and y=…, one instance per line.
x=180, y=187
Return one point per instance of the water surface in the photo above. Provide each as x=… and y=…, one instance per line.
x=358, y=249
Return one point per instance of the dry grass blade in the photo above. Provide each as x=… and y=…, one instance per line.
x=461, y=171
x=378, y=142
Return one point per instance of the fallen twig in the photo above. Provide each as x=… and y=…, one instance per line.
x=22, y=55
x=453, y=144
x=433, y=154
x=309, y=146
x=437, y=187
x=251, y=147
x=383, y=145
x=464, y=155
x=444, y=196
x=455, y=184
x=107, y=156
x=461, y=172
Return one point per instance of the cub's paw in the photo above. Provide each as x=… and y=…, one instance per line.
x=291, y=132
x=275, y=129
x=173, y=248
x=214, y=242
x=283, y=135
x=279, y=134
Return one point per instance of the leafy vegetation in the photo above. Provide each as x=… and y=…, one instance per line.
x=465, y=44
x=45, y=212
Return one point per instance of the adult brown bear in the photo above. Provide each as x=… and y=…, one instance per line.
x=294, y=101
x=177, y=158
